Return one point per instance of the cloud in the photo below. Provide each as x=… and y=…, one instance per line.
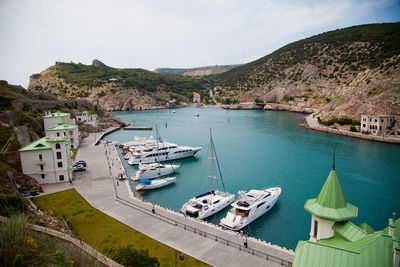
x=150, y=34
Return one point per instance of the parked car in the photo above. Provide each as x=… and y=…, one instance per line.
x=80, y=162
x=78, y=168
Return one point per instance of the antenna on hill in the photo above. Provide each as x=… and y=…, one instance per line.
x=333, y=165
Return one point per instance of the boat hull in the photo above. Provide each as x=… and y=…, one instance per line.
x=155, y=184
x=203, y=214
x=161, y=158
x=150, y=174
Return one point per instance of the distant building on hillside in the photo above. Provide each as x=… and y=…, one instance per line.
x=87, y=118
x=47, y=160
x=196, y=98
x=377, y=124
x=335, y=241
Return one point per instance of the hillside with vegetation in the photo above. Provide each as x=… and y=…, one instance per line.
x=344, y=73
x=21, y=121
x=115, y=89
x=206, y=70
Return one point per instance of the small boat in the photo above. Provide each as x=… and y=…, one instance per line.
x=146, y=184
x=127, y=155
x=211, y=202
x=153, y=170
x=173, y=111
x=250, y=206
x=196, y=114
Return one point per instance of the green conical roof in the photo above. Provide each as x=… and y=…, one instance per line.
x=331, y=203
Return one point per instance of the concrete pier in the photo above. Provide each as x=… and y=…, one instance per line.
x=100, y=186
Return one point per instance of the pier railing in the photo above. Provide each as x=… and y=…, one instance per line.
x=214, y=232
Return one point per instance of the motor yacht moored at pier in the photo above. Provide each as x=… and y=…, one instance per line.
x=250, y=206
x=163, y=152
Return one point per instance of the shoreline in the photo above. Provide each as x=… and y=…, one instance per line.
x=311, y=121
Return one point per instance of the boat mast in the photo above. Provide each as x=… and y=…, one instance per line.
x=158, y=151
x=213, y=151
x=212, y=162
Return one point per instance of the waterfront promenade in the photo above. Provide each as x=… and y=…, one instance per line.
x=204, y=241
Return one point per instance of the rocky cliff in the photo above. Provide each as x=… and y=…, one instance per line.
x=115, y=89
x=344, y=73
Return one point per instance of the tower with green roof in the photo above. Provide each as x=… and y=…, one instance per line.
x=328, y=208
x=336, y=241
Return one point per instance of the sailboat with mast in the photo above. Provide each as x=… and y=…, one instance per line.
x=213, y=201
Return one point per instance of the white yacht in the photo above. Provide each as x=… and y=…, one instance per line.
x=146, y=184
x=249, y=207
x=138, y=149
x=211, y=202
x=153, y=170
x=139, y=141
x=162, y=152
x=207, y=204
x=129, y=147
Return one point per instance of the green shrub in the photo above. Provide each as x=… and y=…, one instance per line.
x=353, y=129
x=129, y=256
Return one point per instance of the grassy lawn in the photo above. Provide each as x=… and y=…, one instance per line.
x=101, y=231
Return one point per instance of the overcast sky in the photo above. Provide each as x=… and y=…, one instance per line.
x=166, y=33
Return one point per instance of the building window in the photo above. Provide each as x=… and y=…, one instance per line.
x=59, y=164
x=58, y=146
x=315, y=229
x=71, y=133
x=72, y=146
x=59, y=156
x=58, y=134
x=381, y=120
x=64, y=133
x=363, y=125
x=43, y=176
x=41, y=167
x=376, y=120
x=61, y=177
x=40, y=157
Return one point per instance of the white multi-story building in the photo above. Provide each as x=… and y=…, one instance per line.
x=66, y=130
x=56, y=118
x=87, y=118
x=60, y=124
x=47, y=160
x=377, y=124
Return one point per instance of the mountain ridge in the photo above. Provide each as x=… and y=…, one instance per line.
x=346, y=72
x=343, y=73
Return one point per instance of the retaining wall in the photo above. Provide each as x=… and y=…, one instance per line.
x=78, y=243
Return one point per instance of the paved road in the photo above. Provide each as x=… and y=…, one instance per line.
x=96, y=187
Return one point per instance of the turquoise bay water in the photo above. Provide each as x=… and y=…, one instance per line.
x=258, y=149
